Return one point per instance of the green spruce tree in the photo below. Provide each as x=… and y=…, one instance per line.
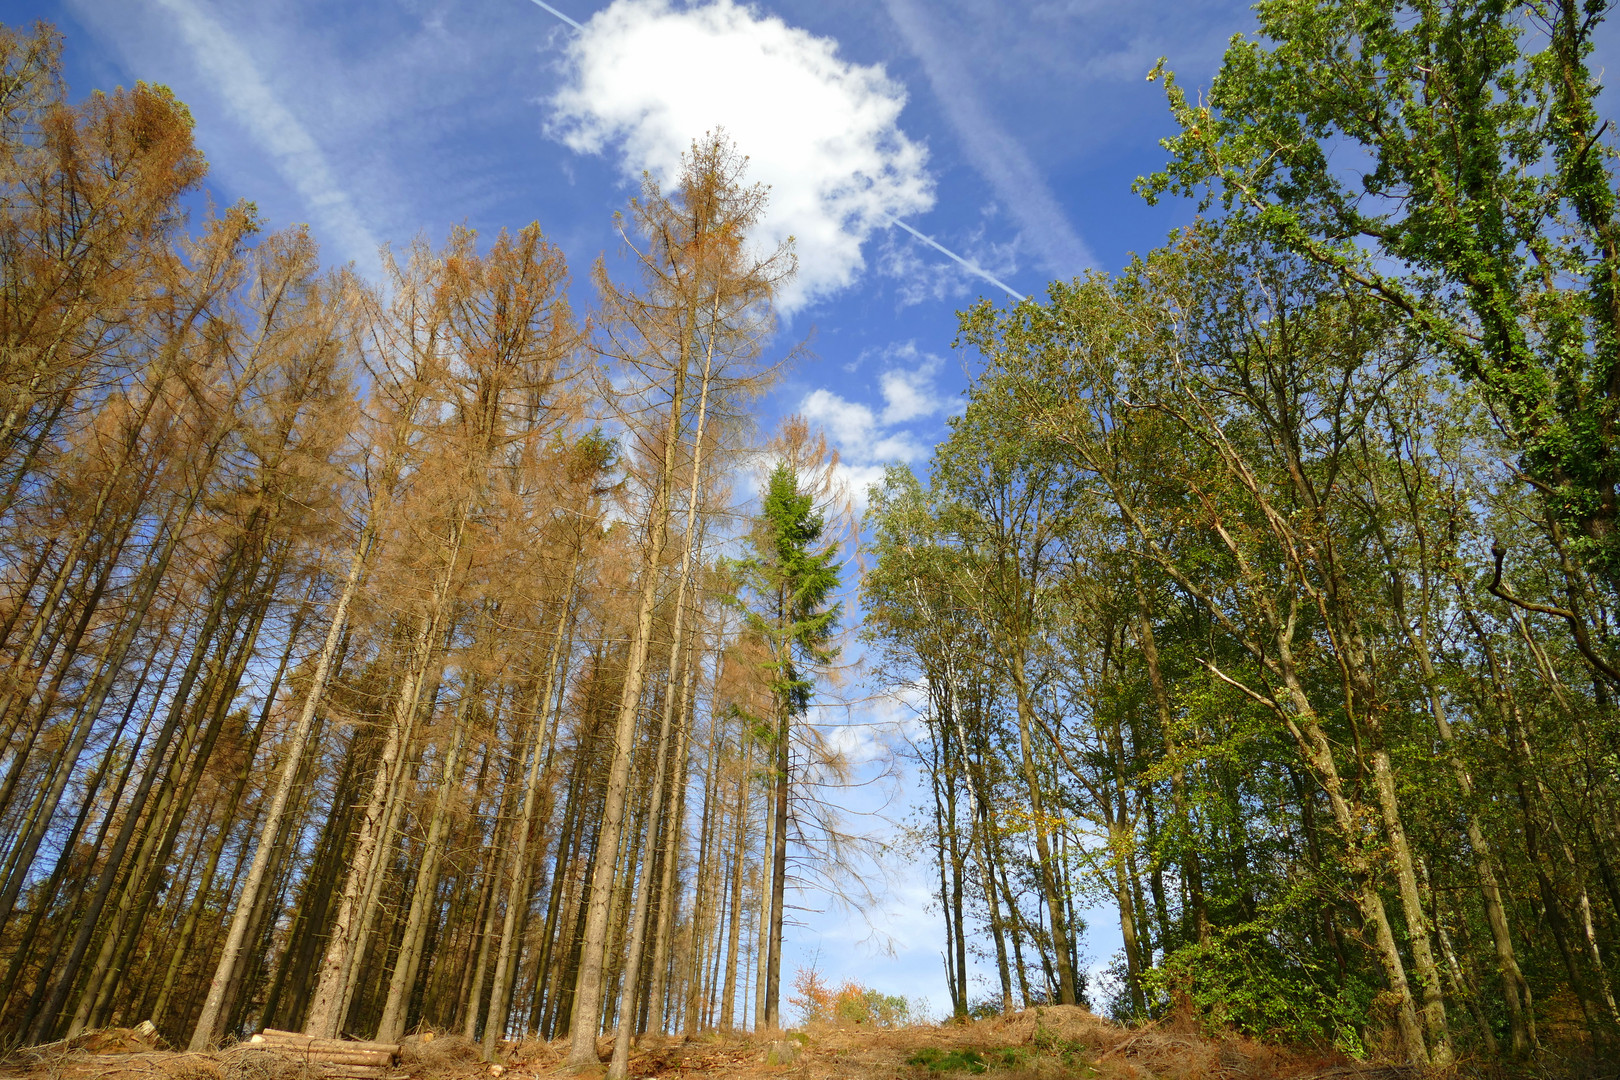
x=784, y=591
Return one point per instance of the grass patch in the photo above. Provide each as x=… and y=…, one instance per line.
x=1047, y=1041
x=936, y=1060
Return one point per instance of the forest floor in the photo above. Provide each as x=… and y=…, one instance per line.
x=1044, y=1044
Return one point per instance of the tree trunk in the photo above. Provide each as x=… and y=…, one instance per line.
x=188, y=930
x=618, y=1068
x=739, y=840
x=546, y=717
x=206, y=1031
x=326, y=1014
x=589, y=989
x=1047, y=871
x=674, y=823
x=424, y=895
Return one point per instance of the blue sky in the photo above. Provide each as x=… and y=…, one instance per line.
x=1010, y=132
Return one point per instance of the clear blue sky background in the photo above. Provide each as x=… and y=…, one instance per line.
x=1008, y=131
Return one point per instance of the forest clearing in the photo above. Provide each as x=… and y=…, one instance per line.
x=1058, y=1041
x=465, y=647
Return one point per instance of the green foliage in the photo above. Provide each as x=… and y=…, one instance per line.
x=789, y=578
x=1209, y=581
x=1253, y=979
x=874, y=1007
x=940, y=1061
x=984, y=1008
x=968, y=1059
x=1048, y=1041
x=592, y=456
x=1487, y=198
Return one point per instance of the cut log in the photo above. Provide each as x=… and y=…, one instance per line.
x=335, y=1052
x=367, y=1058
x=333, y=1057
x=296, y=1038
x=319, y=1050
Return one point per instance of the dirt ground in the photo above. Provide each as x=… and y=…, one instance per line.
x=1038, y=1044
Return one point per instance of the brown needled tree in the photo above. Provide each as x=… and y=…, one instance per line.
x=702, y=314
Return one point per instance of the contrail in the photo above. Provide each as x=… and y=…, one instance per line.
x=560, y=15
x=930, y=241
x=948, y=253
x=1001, y=159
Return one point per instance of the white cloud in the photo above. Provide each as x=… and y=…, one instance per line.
x=1000, y=158
x=852, y=429
x=860, y=435
x=848, y=423
x=909, y=394
x=858, y=480
x=867, y=439
x=647, y=78
x=252, y=102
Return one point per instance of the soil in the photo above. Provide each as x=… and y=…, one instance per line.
x=1037, y=1044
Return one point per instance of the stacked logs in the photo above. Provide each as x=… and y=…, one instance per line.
x=336, y=1058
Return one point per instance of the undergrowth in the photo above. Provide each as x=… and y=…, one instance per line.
x=969, y=1060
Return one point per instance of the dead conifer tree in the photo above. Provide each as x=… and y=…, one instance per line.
x=704, y=306
x=497, y=329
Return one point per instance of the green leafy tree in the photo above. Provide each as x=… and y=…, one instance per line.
x=1485, y=194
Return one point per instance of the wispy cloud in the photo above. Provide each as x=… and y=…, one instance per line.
x=1000, y=158
x=646, y=77
x=251, y=101
x=867, y=438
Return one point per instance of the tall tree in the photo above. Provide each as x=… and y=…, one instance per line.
x=786, y=587
x=1490, y=198
x=705, y=303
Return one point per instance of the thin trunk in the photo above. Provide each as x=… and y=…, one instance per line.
x=501, y=840
x=1515, y=991
x=739, y=839
x=674, y=821
x=762, y=927
x=546, y=715
x=1047, y=870
x=773, y=970
x=65, y=859
x=206, y=1031
x=1191, y=865
x=45, y=1022
x=619, y=1067
x=187, y=771
x=589, y=988
x=424, y=897
x=704, y=888
x=182, y=947
x=334, y=986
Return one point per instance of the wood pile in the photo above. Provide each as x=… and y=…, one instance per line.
x=337, y=1058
